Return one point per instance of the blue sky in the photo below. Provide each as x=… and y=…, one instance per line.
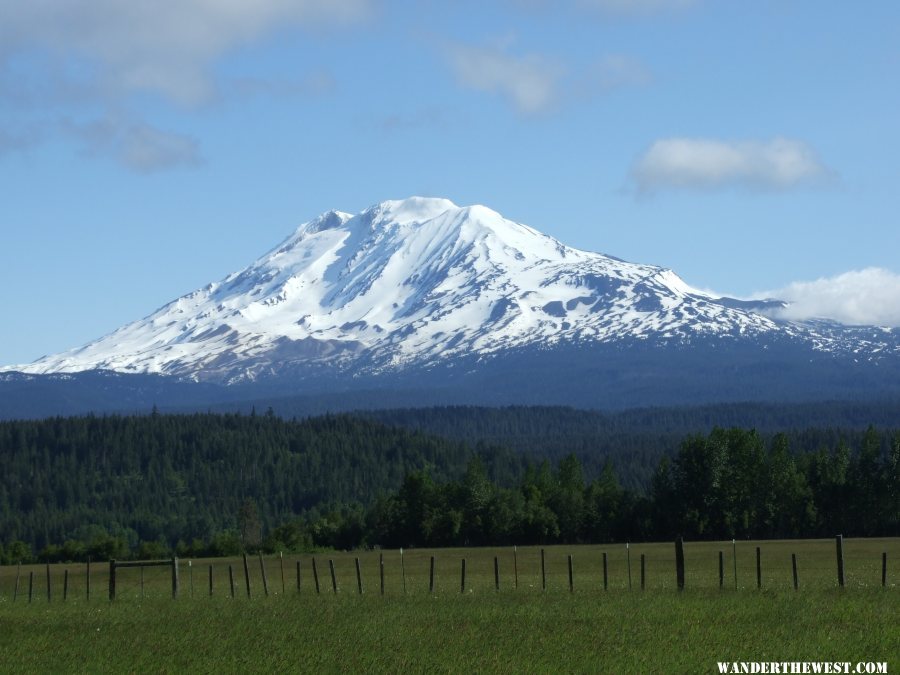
x=150, y=147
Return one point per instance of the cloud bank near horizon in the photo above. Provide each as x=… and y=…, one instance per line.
x=869, y=297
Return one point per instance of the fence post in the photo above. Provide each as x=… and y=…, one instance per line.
x=48, y=583
x=30, y=586
x=381, y=571
x=628, y=560
x=358, y=578
x=794, y=569
x=431, y=576
x=758, y=568
x=679, y=564
x=66, y=585
x=315, y=575
x=605, y=573
x=210, y=581
x=298, y=576
x=515, y=568
x=543, y=573
x=721, y=570
x=496, y=574
x=281, y=562
x=175, y=581
x=643, y=572
x=247, y=574
x=403, y=570
x=734, y=558
x=884, y=569
x=190, y=576
x=231, y=580
x=571, y=580
x=87, y=579
x=265, y=578
x=839, y=542
x=333, y=578
x=112, y=581
x=462, y=577
x=16, y=588
x=142, y=583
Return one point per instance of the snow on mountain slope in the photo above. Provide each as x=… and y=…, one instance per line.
x=415, y=282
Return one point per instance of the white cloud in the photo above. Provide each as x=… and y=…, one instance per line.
x=134, y=144
x=701, y=163
x=869, y=296
x=161, y=46
x=530, y=82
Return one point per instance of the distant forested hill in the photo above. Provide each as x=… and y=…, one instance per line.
x=635, y=440
x=171, y=477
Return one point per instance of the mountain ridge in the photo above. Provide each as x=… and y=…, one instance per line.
x=417, y=283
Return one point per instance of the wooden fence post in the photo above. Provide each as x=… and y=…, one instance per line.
x=794, y=569
x=231, y=580
x=358, y=578
x=87, y=579
x=175, y=581
x=679, y=563
x=30, y=586
x=48, y=583
x=431, y=576
x=839, y=543
x=643, y=571
x=496, y=573
x=543, y=572
x=191, y=577
x=281, y=562
x=605, y=573
x=142, y=583
x=721, y=570
x=265, y=578
x=884, y=569
x=758, y=568
x=402, y=570
x=628, y=561
x=515, y=568
x=734, y=559
x=66, y=585
x=381, y=571
x=571, y=579
x=247, y=574
x=112, y=580
x=16, y=587
x=210, y=581
x=333, y=578
x=298, y=576
x=462, y=577
x=316, y=575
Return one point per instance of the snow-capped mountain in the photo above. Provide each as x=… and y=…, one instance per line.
x=420, y=283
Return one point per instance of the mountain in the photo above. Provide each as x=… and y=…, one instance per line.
x=421, y=293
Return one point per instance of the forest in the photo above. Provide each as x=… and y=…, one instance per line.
x=207, y=484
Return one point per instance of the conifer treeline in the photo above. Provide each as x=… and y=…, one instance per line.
x=209, y=484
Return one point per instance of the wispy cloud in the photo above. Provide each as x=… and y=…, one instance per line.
x=530, y=82
x=165, y=47
x=869, y=296
x=534, y=83
x=135, y=145
x=702, y=163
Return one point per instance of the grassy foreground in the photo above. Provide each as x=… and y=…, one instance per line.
x=583, y=632
x=518, y=629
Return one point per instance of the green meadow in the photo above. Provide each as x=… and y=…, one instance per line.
x=520, y=628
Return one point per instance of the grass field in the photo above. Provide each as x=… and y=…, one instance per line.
x=514, y=630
